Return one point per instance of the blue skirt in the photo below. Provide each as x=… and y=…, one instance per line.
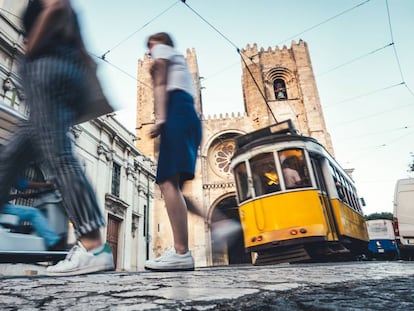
x=180, y=139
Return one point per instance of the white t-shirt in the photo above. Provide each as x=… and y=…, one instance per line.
x=179, y=76
x=292, y=177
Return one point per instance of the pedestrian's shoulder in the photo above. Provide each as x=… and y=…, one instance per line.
x=163, y=51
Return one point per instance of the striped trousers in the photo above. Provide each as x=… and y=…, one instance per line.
x=54, y=86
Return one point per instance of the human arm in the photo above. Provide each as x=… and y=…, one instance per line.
x=159, y=72
x=297, y=178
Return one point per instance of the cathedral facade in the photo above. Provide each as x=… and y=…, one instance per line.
x=277, y=84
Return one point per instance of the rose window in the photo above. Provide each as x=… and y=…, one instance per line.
x=223, y=153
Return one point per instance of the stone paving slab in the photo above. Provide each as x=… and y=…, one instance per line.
x=336, y=286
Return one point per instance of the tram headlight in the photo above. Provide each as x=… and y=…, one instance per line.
x=257, y=238
x=378, y=243
x=293, y=232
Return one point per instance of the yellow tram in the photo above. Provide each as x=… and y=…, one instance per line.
x=295, y=202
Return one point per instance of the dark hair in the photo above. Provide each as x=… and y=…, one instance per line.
x=30, y=15
x=162, y=37
x=291, y=162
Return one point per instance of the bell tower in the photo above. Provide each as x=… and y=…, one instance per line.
x=279, y=84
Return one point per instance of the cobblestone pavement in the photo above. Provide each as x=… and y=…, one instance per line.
x=332, y=286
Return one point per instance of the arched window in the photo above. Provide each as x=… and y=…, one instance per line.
x=280, y=89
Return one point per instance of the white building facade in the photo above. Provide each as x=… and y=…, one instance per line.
x=123, y=180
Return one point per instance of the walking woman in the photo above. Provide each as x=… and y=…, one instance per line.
x=179, y=128
x=54, y=81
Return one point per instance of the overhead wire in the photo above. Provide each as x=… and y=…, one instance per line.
x=355, y=59
x=403, y=128
x=324, y=22
x=306, y=30
x=382, y=89
x=138, y=30
x=369, y=150
x=374, y=114
x=365, y=94
x=239, y=52
x=103, y=56
x=121, y=70
x=395, y=49
x=226, y=38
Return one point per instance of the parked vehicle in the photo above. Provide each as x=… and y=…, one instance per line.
x=404, y=217
x=382, y=244
x=19, y=243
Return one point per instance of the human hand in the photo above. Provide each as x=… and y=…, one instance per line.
x=156, y=130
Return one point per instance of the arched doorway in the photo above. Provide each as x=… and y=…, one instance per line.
x=231, y=250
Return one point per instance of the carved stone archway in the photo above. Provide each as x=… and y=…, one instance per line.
x=231, y=250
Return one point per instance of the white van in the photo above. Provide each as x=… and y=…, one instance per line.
x=404, y=217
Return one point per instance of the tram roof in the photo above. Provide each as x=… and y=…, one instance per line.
x=282, y=131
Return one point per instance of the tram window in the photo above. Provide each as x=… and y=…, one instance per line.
x=345, y=191
x=265, y=177
x=339, y=188
x=295, y=170
x=242, y=184
x=338, y=184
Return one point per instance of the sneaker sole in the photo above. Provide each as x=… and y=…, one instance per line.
x=87, y=270
x=169, y=269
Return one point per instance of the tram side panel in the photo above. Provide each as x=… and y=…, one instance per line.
x=350, y=223
x=344, y=201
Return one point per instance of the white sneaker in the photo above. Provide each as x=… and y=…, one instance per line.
x=80, y=261
x=171, y=261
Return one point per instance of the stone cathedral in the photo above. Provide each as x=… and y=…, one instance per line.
x=283, y=88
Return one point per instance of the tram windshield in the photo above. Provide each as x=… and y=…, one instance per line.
x=264, y=174
x=265, y=177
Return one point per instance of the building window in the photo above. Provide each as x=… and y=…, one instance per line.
x=280, y=89
x=116, y=179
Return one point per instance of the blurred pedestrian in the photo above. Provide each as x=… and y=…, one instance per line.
x=179, y=127
x=54, y=71
x=33, y=215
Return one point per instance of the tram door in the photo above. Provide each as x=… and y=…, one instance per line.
x=323, y=197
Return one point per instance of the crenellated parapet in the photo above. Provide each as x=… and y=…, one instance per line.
x=225, y=116
x=252, y=51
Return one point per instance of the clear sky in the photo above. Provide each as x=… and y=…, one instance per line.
x=361, y=52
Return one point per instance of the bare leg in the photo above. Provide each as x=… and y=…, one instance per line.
x=91, y=240
x=177, y=213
